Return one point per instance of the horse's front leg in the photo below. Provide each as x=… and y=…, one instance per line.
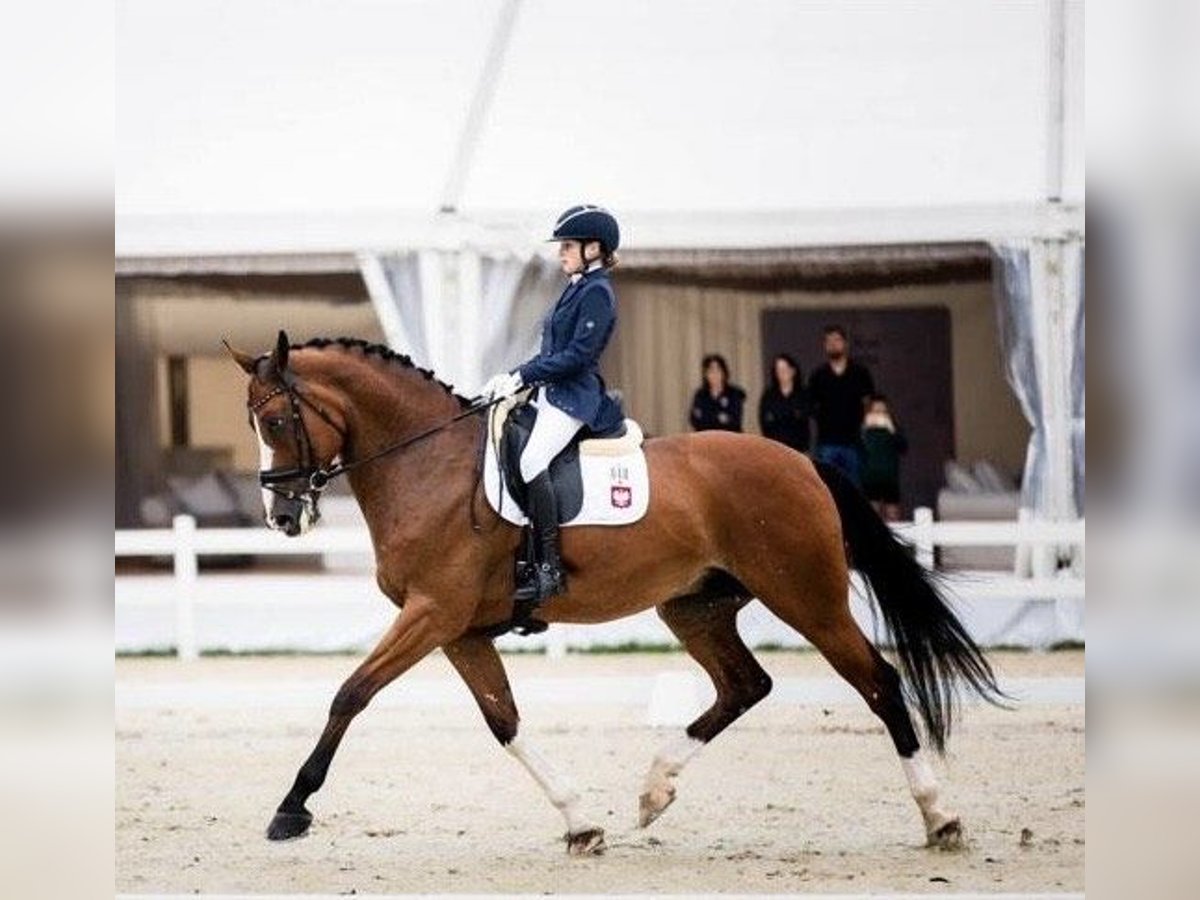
x=476, y=660
x=411, y=637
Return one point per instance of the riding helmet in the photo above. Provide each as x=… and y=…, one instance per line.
x=588, y=223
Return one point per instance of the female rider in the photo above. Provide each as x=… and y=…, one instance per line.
x=569, y=394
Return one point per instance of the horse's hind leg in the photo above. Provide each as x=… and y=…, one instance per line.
x=474, y=657
x=837, y=636
x=706, y=625
x=857, y=660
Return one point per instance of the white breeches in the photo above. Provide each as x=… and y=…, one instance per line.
x=552, y=431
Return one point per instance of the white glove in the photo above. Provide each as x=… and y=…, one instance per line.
x=503, y=385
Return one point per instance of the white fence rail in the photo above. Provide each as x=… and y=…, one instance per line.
x=186, y=543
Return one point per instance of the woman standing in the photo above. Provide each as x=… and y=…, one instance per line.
x=783, y=408
x=570, y=393
x=717, y=404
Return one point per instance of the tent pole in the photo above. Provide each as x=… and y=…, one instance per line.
x=1055, y=87
x=485, y=91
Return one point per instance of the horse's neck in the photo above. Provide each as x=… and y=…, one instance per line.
x=417, y=478
x=384, y=411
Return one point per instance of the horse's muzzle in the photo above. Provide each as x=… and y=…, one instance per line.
x=287, y=523
x=293, y=515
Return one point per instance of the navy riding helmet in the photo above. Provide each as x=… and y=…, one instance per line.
x=588, y=223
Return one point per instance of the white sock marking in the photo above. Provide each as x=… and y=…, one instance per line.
x=560, y=789
x=669, y=762
x=924, y=788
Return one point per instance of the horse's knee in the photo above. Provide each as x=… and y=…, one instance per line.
x=351, y=698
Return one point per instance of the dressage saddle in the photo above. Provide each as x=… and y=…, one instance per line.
x=565, y=472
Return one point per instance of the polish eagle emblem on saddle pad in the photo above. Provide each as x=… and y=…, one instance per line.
x=598, y=480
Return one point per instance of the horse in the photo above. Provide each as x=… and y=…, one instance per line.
x=731, y=518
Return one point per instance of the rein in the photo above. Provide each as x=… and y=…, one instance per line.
x=325, y=475
x=315, y=477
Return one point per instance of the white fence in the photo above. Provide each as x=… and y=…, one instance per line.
x=185, y=544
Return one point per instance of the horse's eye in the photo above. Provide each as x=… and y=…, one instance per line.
x=274, y=424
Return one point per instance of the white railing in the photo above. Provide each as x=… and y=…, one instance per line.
x=186, y=543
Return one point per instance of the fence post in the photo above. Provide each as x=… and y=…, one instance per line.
x=556, y=642
x=1023, y=555
x=186, y=573
x=923, y=535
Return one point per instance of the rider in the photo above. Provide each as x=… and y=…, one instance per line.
x=570, y=394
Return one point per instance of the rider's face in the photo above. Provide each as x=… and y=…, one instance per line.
x=570, y=256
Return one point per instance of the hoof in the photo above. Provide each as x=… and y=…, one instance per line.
x=287, y=826
x=586, y=843
x=653, y=804
x=947, y=837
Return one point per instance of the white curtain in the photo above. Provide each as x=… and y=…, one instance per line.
x=1078, y=374
x=396, y=283
x=427, y=300
x=1014, y=310
x=1039, y=293
x=517, y=295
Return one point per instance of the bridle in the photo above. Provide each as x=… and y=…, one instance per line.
x=306, y=481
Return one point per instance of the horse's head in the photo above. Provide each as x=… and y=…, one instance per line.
x=298, y=437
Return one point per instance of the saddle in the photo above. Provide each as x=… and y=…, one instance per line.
x=598, y=479
x=565, y=473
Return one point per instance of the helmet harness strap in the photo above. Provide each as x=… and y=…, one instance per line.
x=584, y=262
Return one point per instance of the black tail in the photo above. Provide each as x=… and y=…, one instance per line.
x=934, y=650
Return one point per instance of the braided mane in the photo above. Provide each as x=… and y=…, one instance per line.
x=387, y=354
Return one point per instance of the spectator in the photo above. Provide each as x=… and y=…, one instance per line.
x=717, y=404
x=883, y=444
x=783, y=408
x=839, y=389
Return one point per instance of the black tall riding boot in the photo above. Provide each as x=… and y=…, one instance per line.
x=549, y=577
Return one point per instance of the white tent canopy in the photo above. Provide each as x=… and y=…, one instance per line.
x=255, y=127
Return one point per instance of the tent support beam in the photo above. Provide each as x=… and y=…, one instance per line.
x=1056, y=63
x=485, y=92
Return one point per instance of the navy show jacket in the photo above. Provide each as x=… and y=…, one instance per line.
x=574, y=335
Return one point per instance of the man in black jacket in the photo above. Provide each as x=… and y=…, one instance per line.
x=838, y=390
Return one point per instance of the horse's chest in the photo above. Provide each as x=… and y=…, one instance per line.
x=392, y=585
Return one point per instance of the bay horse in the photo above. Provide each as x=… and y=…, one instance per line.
x=731, y=517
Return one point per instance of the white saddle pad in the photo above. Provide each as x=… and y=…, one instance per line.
x=616, y=485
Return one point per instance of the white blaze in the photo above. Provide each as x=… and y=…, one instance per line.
x=266, y=460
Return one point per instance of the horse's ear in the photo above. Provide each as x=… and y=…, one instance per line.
x=245, y=360
x=279, y=356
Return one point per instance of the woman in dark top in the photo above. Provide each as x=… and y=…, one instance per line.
x=783, y=408
x=717, y=404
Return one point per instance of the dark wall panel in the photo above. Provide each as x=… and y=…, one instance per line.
x=908, y=353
